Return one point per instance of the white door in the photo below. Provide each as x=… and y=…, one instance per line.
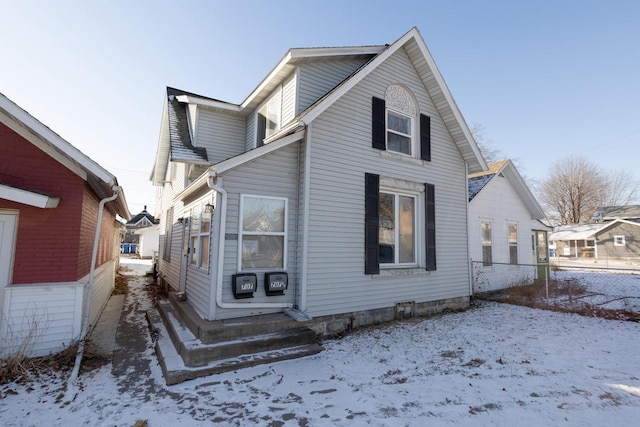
x=7, y=238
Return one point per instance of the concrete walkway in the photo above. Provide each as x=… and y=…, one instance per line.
x=122, y=333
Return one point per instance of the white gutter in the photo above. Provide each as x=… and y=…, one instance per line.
x=466, y=212
x=89, y=287
x=305, y=221
x=221, y=240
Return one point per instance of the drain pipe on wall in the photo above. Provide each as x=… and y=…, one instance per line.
x=89, y=288
x=221, y=241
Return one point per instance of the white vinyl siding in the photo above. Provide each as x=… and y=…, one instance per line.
x=48, y=317
x=341, y=155
x=499, y=192
x=289, y=99
x=318, y=78
x=274, y=175
x=170, y=269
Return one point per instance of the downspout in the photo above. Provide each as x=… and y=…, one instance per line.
x=221, y=240
x=89, y=288
x=466, y=211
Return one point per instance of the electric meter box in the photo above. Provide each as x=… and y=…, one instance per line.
x=244, y=285
x=275, y=283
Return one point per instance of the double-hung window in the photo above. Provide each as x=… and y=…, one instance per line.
x=513, y=242
x=200, y=235
x=618, y=241
x=487, y=259
x=269, y=118
x=263, y=232
x=399, y=131
x=397, y=229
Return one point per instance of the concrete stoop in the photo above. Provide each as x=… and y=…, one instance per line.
x=189, y=347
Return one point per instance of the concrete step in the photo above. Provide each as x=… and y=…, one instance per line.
x=219, y=330
x=195, y=353
x=183, y=355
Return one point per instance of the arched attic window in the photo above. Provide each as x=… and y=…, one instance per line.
x=396, y=127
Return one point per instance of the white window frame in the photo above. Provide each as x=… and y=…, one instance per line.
x=199, y=235
x=276, y=97
x=619, y=240
x=411, y=136
x=417, y=229
x=482, y=245
x=242, y=233
x=512, y=244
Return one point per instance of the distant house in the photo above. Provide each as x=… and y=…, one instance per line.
x=618, y=238
x=611, y=213
x=51, y=196
x=142, y=235
x=345, y=169
x=504, y=225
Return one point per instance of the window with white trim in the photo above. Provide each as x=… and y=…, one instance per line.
x=397, y=229
x=487, y=242
x=263, y=232
x=400, y=117
x=200, y=237
x=513, y=242
x=619, y=241
x=269, y=117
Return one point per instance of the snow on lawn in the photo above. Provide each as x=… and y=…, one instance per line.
x=495, y=365
x=605, y=289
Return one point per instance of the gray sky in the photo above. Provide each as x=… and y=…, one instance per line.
x=545, y=79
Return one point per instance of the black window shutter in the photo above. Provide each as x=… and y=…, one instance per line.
x=430, y=227
x=425, y=137
x=371, y=224
x=379, y=127
x=262, y=130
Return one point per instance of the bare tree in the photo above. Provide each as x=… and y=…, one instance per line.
x=618, y=188
x=488, y=151
x=576, y=187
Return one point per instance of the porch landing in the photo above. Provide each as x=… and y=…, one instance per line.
x=189, y=347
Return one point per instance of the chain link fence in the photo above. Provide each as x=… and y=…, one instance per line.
x=612, y=292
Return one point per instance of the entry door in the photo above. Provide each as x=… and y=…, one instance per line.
x=7, y=239
x=184, y=261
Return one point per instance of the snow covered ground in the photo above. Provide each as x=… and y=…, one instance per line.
x=495, y=365
x=610, y=289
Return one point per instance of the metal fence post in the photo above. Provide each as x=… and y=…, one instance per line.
x=546, y=283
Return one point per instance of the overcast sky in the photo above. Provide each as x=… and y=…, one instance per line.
x=546, y=79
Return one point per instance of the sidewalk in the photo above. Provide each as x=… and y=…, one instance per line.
x=123, y=334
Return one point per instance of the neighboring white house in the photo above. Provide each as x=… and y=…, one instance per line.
x=504, y=228
x=346, y=169
x=149, y=238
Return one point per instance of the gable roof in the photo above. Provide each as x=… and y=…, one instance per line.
x=506, y=168
x=584, y=231
x=31, y=129
x=425, y=65
x=143, y=214
x=419, y=54
x=608, y=213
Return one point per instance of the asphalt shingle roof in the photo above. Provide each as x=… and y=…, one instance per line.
x=182, y=149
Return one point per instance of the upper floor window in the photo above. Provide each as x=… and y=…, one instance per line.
x=401, y=112
x=618, y=241
x=395, y=125
x=269, y=118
